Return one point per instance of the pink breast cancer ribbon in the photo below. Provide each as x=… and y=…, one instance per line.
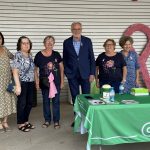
x=52, y=87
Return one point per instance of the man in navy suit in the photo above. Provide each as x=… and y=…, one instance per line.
x=79, y=61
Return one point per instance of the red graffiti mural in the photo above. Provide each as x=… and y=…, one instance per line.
x=145, y=53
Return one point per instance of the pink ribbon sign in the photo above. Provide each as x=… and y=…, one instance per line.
x=52, y=88
x=145, y=52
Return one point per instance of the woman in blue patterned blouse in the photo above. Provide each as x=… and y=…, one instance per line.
x=131, y=58
x=23, y=72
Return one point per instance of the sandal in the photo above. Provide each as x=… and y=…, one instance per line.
x=30, y=126
x=6, y=127
x=1, y=128
x=56, y=125
x=46, y=125
x=24, y=128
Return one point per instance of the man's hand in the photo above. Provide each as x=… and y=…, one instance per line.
x=91, y=78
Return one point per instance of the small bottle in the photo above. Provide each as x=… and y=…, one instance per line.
x=112, y=95
x=121, y=88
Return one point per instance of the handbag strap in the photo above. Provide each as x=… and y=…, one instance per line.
x=26, y=71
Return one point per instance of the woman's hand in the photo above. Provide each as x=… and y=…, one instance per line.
x=61, y=85
x=123, y=81
x=18, y=90
x=37, y=85
x=137, y=83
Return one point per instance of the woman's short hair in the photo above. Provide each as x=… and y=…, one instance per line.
x=114, y=43
x=19, y=43
x=124, y=39
x=48, y=37
x=2, y=38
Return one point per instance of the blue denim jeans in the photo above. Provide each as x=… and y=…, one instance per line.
x=55, y=106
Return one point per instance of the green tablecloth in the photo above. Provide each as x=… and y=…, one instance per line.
x=110, y=124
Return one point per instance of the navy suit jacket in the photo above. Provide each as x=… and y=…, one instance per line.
x=83, y=63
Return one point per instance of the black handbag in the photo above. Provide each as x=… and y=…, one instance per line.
x=44, y=82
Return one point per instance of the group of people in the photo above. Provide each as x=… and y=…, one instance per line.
x=114, y=68
x=47, y=71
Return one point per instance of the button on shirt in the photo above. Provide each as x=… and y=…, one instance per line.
x=76, y=45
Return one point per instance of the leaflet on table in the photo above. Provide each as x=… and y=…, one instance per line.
x=102, y=102
x=129, y=102
x=107, y=101
x=96, y=102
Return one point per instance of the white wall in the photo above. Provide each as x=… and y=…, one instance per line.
x=101, y=19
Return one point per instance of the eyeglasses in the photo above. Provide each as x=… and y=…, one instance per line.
x=25, y=43
x=76, y=29
x=109, y=45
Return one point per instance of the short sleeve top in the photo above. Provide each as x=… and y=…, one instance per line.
x=47, y=64
x=110, y=67
x=25, y=65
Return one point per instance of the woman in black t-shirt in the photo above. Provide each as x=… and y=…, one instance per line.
x=49, y=62
x=110, y=66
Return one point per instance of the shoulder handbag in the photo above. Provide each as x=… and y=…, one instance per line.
x=11, y=86
x=44, y=82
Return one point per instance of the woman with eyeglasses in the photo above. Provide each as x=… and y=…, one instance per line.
x=23, y=73
x=110, y=67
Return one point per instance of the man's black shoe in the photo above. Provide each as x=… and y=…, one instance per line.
x=72, y=125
